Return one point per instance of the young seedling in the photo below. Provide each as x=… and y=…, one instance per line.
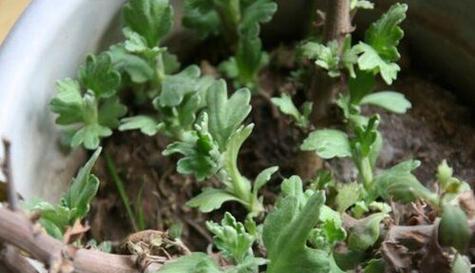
x=73, y=206
x=238, y=21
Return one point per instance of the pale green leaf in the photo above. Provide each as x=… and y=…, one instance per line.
x=193, y=263
x=146, y=124
x=327, y=143
x=389, y=100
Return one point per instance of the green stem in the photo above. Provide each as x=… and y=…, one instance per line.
x=366, y=172
x=121, y=189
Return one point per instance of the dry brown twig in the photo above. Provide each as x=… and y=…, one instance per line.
x=18, y=231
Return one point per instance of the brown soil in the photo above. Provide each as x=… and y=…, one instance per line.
x=436, y=128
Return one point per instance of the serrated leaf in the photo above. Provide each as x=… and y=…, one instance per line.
x=327, y=143
x=260, y=11
x=193, y=263
x=170, y=62
x=249, y=57
x=389, y=100
x=90, y=136
x=205, y=21
x=285, y=234
x=138, y=69
x=176, y=87
x=384, y=34
x=67, y=102
x=211, y=199
x=226, y=115
x=152, y=19
x=231, y=238
x=348, y=194
x=110, y=111
x=99, y=75
x=325, y=56
x=370, y=60
x=146, y=124
x=83, y=188
x=361, y=4
x=200, y=153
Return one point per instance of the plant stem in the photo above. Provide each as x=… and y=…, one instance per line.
x=323, y=88
x=121, y=189
x=366, y=172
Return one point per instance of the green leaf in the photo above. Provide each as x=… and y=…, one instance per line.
x=365, y=232
x=68, y=102
x=99, y=75
x=286, y=106
x=170, y=62
x=260, y=11
x=370, y=60
x=454, y=230
x=90, y=136
x=325, y=56
x=348, y=194
x=231, y=238
x=146, y=124
x=285, y=234
x=138, y=69
x=384, y=34
x=360, y=86
x=226, y=115
x=461, y=264
x=375, y=266
x=152, y=19
x=263, y=177
x=361, y=4
x=201, y=155
x=83, y=189
x=389, y=100
x=110, y=111
x=201, y=18
x=176, y=87
x=193, y=263
x=327, y=143
x=211, y=199
x=398, y=183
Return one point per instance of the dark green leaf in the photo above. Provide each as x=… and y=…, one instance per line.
x=99, y=75
x=454, y=230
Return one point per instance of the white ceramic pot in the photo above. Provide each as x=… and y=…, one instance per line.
x=48, y=43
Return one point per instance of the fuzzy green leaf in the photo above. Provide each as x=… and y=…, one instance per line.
x=389, y=100
x=384, y=34
x=211, y=199
x=99, y=75
x=287, y=106
x=83, y=188
x=110, y=111
x=226, y=115
x=263, y=177
x=68, y=102
x=231, y=238
x=398, y=183
x=176, y=87
x=348, y=194
x=325, y=56
x=90, y=136
x=137, y=68
x=327, y=143
x=152, y=19
x=285, y=234
x=365, y=232
x=146, y=124
x=199, y=16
